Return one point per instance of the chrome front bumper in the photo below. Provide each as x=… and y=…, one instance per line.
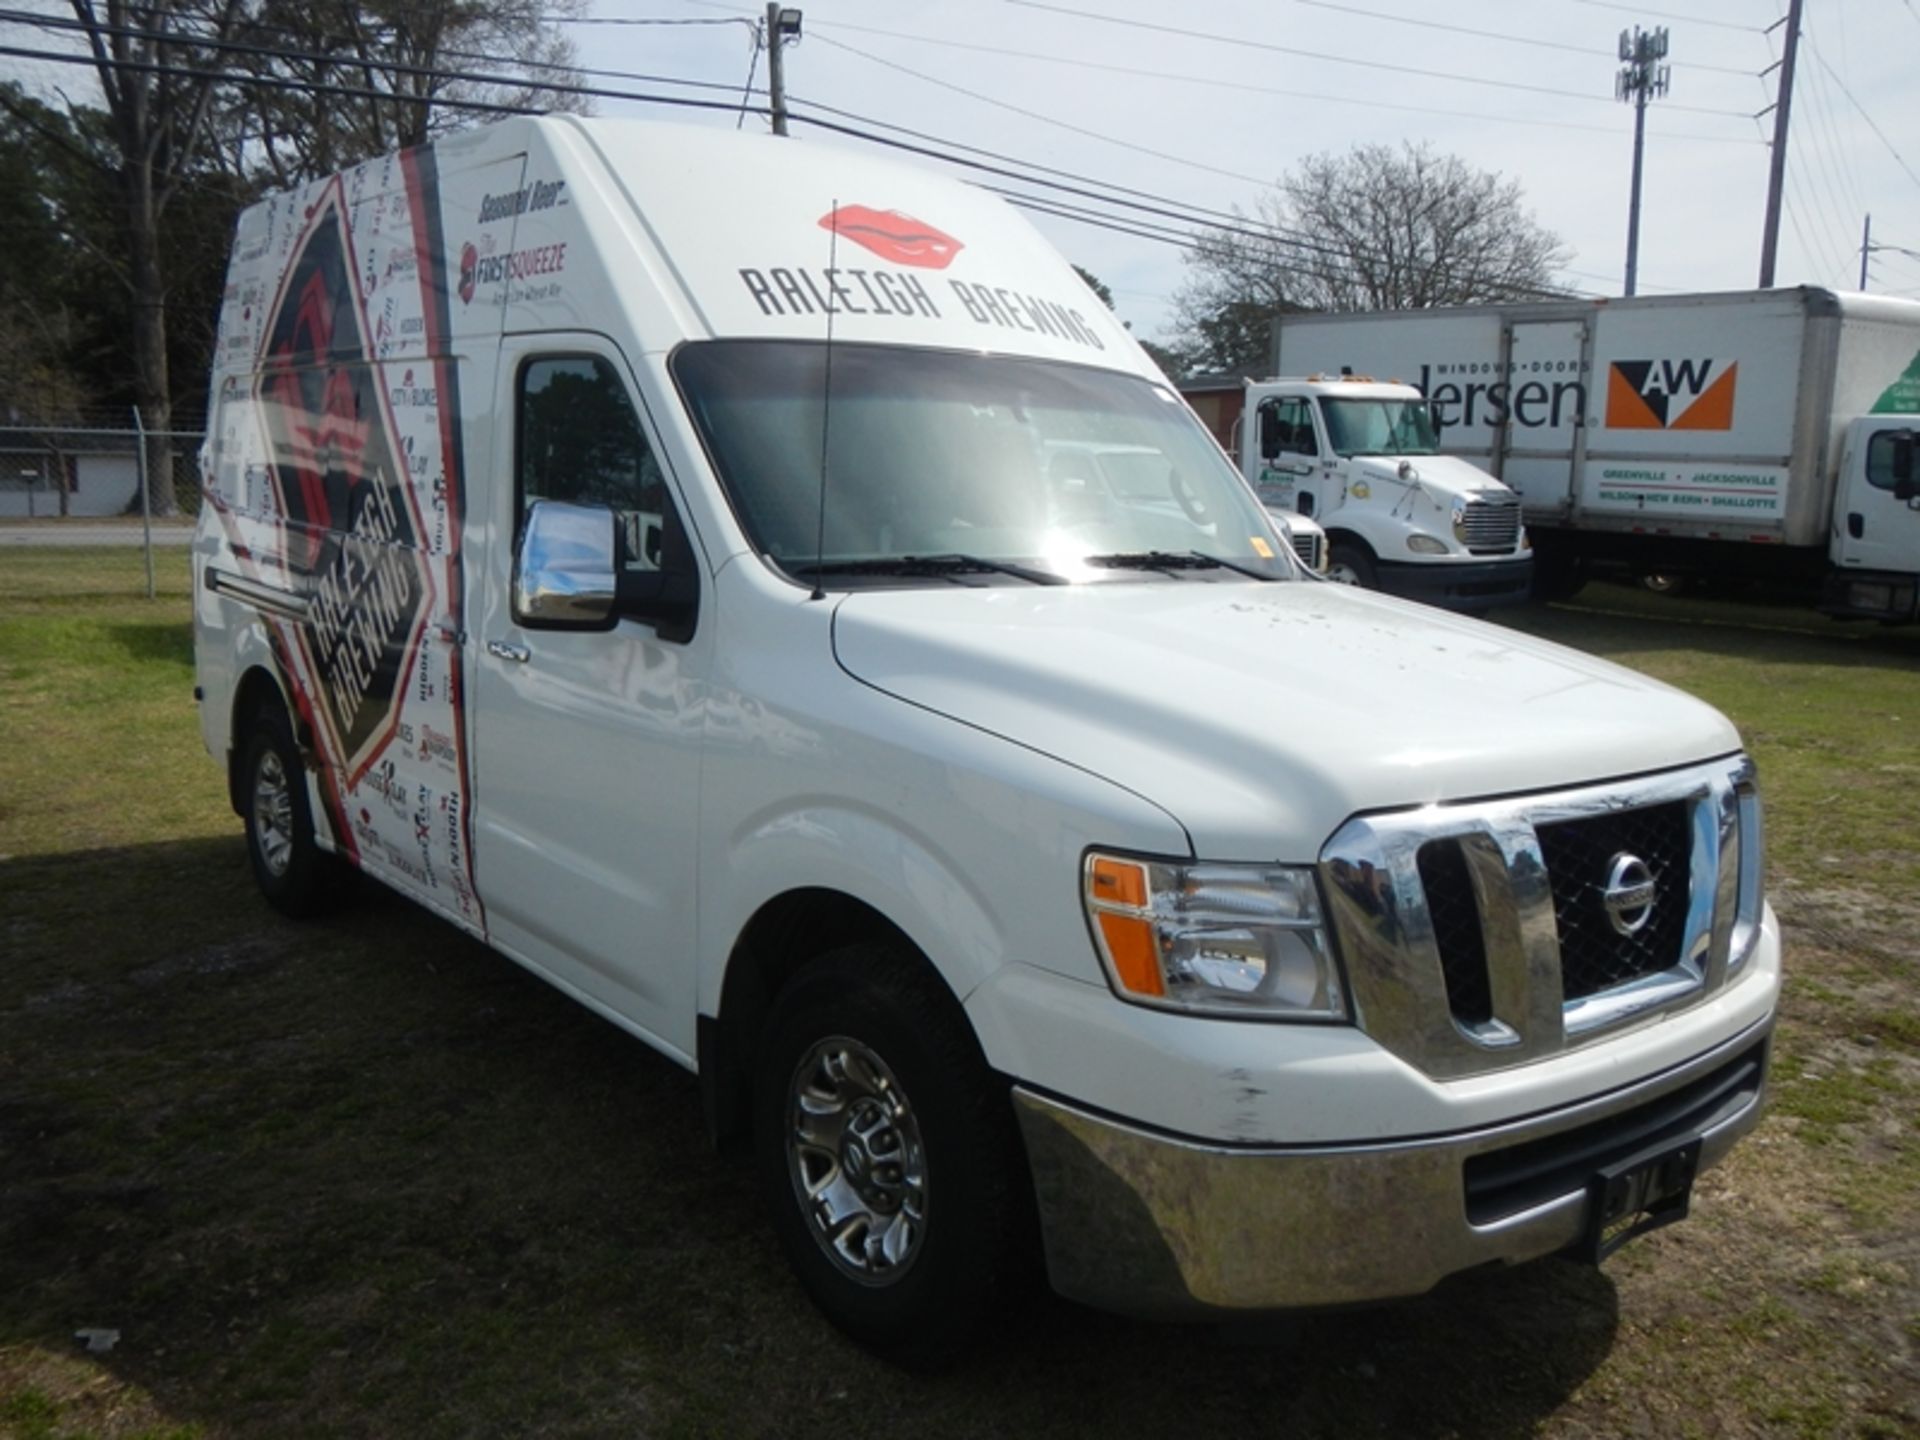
x=1152, y=1225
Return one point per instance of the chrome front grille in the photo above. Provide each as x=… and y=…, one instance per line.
x=1489, y=934
x=1594, y=955
x=1490, y=526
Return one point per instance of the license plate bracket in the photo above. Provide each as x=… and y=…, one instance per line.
x=1638, y=1195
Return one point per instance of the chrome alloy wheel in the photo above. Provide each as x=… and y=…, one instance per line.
x=273, y=813
x=856, y=1159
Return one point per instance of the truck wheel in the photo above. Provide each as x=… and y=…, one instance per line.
x=1352, y=565
x=1557, y=577
x=296, y=876
x=887, y=1153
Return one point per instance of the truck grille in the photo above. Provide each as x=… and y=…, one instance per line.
x=1308, y=546
x=1491, y=527
x=1487, y=934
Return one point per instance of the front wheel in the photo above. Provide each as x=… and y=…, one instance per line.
x=887, y=1153
x=293, y=872
x=1352, y=565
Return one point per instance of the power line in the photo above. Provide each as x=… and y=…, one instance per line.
x=1561, y=45
x=1669, y=15
x=186, y=40
x=1214, y=83
x=1021, y=110
x=1216, y=222
x=631, y=20
x=327, y=88
x=1836, y=173
x=1242, y=42
x=1879, y=134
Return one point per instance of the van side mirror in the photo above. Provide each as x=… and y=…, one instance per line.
x=666, y=596
x=1269, y=433
x=563, y=572
x=574, y=570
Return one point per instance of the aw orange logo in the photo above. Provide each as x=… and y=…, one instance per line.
x=1669, y=395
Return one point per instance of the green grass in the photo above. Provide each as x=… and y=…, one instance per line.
x=362, y=1177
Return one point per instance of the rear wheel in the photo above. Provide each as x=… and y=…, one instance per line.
x=887, y=1153
x=1350, y=564
x=296, y=876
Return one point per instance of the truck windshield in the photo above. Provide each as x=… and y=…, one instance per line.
x=1379, y=427
x=971, y=465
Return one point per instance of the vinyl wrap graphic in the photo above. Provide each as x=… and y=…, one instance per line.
x=340, y=482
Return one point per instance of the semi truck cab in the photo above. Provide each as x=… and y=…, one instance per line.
x=1876, y=523
x=1362, y=457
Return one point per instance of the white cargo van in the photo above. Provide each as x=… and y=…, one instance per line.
x=1760, y=434
x=642, y=547
x=1362, y=457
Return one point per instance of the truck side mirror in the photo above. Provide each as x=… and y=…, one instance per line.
x=1269, y=433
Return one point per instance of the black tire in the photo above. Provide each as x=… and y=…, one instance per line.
x=297, y=877
x=1347, y=558
x=1556, y=576
x=935, y=1139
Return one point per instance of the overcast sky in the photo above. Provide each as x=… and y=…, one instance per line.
x=1227, y=116
x=1108, y=90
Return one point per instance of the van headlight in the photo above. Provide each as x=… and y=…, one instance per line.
x=1241, y=940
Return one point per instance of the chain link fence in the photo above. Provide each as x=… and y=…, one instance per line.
x=80, y=473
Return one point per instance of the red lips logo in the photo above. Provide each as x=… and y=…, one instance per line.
x=469, y=263
x=893, y=236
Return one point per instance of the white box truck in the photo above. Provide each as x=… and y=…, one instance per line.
x=666, y=554
x=1363, y=458
x=1765, y=434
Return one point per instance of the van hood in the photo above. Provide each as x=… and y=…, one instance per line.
x=1262, y=716
x=1447, y=474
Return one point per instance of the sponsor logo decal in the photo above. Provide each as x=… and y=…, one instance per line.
x=540, y=195
x=893, y=236
x=336, y=472
x=477, y=270
x=1670, y=395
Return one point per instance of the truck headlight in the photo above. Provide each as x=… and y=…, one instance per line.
x=1241, y=940
x=1426, y=545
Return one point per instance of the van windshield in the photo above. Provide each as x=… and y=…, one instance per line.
x=1025, y=468
x=1380, y=427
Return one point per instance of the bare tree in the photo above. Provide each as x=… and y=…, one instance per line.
x=1378, y=228
x=369, y=79
x=158, y=86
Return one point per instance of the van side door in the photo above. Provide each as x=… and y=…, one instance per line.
x=587, y=742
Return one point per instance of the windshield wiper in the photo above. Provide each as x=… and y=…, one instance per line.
x=1167, y=560
x=910, y=565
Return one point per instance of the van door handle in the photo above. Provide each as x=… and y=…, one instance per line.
x=1856, y=524
x=507, y=651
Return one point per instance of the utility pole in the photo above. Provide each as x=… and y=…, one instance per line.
x=1866, y=248
x=783, y=24
x=1777, y=174
x=1641, y=77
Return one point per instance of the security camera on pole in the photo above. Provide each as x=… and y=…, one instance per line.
x=1641, y=76
x=783, y=25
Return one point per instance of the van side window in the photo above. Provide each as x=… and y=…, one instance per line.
x=579, y=441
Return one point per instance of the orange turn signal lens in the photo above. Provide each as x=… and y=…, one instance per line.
x=1117, y=882
x=1136, y=959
